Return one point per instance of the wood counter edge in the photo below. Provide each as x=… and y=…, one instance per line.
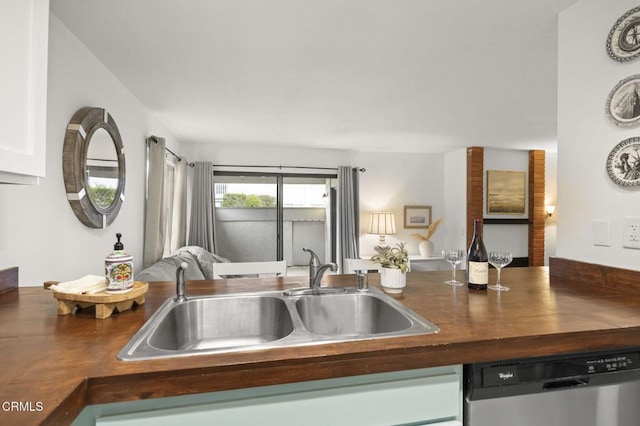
x=626, y=280
x=70, y=407
x=191, y=381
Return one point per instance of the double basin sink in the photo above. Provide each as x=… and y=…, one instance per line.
x=270, y=319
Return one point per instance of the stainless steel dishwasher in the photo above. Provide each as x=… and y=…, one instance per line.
x=595, y=389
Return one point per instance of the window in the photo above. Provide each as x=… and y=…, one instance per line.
x=263, y=217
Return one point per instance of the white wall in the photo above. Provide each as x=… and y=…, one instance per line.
x=455, y=201
x=39, y=232
x=585, y=136
x=393, y=181
x=514, y=238
x=496, y=237
x=390, y=182
x=263, y=155
x=508, y=237
x=550, y=197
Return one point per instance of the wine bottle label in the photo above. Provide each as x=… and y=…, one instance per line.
x=478, y=272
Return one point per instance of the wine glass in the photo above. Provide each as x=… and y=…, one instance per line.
x=499, y=259
x=453, y=257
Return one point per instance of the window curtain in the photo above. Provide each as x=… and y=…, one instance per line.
x=176, y=205
x=202, y=222
x=348, y=214
x=166, y=202
x=155, y=214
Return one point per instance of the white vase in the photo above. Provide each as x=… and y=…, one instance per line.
x=393, y=280
x=426, y=248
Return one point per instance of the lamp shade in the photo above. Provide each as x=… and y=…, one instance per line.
x=382, y=223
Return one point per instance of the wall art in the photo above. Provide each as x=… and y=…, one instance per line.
x=417, y=217
x=623, y=103
x=506, y=192
x=623, y=163
x=623, y=42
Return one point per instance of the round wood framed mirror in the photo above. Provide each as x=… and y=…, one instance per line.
x=93, y=167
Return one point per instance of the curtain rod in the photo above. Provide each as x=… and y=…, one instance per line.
x=360, y=169
x=154, y=139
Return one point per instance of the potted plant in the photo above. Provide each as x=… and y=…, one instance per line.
x=426, y=246
x=395, y=264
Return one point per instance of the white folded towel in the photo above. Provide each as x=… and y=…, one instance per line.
x=89, y=284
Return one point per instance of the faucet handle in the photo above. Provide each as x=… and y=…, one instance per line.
x=314, y=257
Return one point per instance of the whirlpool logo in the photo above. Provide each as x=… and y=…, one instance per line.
x=505, y=376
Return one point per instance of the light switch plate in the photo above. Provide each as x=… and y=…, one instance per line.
x=631, y=232
x=601, y=233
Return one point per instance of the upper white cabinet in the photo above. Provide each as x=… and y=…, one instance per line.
x=23, y=85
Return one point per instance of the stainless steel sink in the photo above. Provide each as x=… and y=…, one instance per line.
x=351, y=314
x=261, y=320
x=222, y=323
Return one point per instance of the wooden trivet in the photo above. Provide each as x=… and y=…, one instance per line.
x=104, y=302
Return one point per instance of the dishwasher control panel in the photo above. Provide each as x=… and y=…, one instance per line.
x=527, y=371
x=560, y=375
x=612, y=363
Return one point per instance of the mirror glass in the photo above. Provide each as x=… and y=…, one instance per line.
x=102, y=169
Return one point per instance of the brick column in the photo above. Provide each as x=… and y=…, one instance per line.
x=536, y=208
x=475, y=193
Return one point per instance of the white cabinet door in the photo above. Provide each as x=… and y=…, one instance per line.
x=23, y=85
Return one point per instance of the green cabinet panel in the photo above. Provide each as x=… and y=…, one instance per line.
x=409, y=397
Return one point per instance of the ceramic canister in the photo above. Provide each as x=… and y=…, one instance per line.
x=118, y=268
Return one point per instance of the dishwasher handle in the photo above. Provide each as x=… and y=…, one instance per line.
x=561, y=384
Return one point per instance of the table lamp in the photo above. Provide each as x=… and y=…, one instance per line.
x=382, y=224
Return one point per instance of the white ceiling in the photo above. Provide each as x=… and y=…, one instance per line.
x=380, y=75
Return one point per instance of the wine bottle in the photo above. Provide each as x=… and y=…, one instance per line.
x=477, y=260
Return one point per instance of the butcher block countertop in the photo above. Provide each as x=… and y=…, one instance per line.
x=56, y=365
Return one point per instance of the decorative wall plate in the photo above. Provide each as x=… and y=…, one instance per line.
x=623, y=43
x=623, y=163
x=623, y=103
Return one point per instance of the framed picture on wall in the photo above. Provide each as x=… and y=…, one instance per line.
x=505, y=192
x=417, y=217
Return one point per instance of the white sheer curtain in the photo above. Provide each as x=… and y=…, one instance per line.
x=348, y=214
x=166, y=202
x=154, y=222
x=202, y=223
x=175, y=202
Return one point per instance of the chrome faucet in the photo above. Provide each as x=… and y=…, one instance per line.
x=180, y=283
x=316, y=272
x=314, y=265
x=317, y=278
